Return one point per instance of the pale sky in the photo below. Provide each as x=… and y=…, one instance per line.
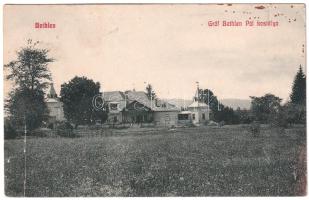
x=169, y=46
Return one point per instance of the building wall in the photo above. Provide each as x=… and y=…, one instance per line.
x=198, y=112
x=114, y=118
x=166, y=119
x=132, y=116
x=56, y=111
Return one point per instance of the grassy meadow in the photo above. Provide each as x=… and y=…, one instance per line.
x=201, y=161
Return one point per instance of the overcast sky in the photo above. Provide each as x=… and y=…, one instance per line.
x=169, y=46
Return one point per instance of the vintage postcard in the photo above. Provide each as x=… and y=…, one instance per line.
x=154, y=100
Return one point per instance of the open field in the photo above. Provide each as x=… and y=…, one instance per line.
x=204, y=161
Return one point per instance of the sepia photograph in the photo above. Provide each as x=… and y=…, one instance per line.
x=154, y=100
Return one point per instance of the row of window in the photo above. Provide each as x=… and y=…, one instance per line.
x=186, y=116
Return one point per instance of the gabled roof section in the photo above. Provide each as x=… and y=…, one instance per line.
x=197, y=104
x=113, y=96
x=128, y=97
x=166, y=106
x=52, y=92
x=141, y=97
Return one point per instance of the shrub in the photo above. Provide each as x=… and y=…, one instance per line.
x=212, y=123
x=289, y=114
x=50, y=126
x=9, y=130
x=295, y=114
x=280, y=121
x=255, y=128
x=222, y=123
x=65, y=129
x=41, y=132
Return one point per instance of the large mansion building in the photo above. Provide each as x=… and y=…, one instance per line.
x=135, y=107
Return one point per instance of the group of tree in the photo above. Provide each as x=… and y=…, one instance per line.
x=269, y=108
x=26, y=107
x=265, y=109
x=77, y=97
x=220, y=112
x=30, y=76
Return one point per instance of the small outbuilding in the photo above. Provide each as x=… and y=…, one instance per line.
x=55, y=106
x=199, y=112
x=184, y=118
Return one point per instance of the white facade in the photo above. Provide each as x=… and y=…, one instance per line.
x=166, y=118
x=55, y=107
x=199, y=112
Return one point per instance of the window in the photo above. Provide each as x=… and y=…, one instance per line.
x=193, y=116
x=203, y=116
x=183, y=116
x=113, y=106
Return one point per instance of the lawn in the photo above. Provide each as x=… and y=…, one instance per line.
x=203, y=161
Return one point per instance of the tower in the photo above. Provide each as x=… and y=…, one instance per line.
x=52, y=93
x=197, y=95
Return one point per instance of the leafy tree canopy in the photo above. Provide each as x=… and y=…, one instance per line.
x=27, y=106
x=77, y=96
x=265, y=107
x=298, y=95
x=150, y=92
x=30, y=69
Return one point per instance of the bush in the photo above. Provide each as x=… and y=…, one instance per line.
x=41, y=132
x=295, y=113
x=280, y=121
x=65, y=129
x=9, y=130
x=50, y=126
x=255, y=128
x=222, y=123
x=289, y=114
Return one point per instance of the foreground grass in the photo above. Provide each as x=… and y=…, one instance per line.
x=186, y=162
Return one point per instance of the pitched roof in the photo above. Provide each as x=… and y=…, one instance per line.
x=166, y=106
x=113, y=96
x=138, y=96
x=141, y=97
x=52, y=92
x=197, y=104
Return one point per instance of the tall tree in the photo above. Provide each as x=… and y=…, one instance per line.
x=298, y=95
x=30, y=69
x=27, y=107
x=150, y=92
x=30, y=76
x=77, y=96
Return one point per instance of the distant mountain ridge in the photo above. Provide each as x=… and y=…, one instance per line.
x=233, y=103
